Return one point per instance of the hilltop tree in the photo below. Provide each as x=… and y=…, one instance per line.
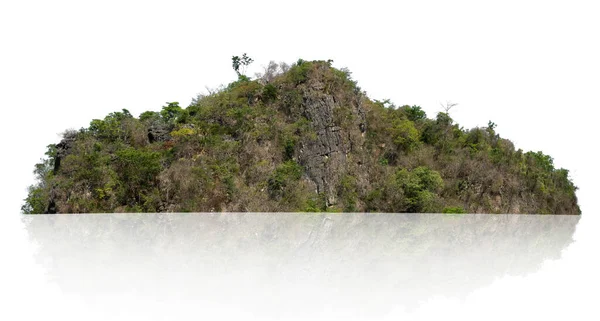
x=242, y=63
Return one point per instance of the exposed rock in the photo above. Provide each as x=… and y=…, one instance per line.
x=159, y=132
x=325, y=158
x=63, y=148
x=51, y=209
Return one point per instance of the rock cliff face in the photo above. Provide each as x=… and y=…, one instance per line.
x=339, y=121
x=159, y=132
x=304, y=139
x=63, y=148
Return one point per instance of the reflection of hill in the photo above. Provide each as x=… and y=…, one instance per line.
x=366, y=262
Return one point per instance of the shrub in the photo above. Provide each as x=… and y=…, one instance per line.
x=315, y=203
x=183, y=132
x=443, y=119
x=149, y=116
x=475, y=140
x=298, y=73
x=289, y=146
x=405, y=135
x=269, y=93
x=540, y=160
x=36, y=201
x=347, y=193
x=112, y=128
x=283, y=175
x=139, y=168
x=420, y=187
x=414, y=113
x=453, y=210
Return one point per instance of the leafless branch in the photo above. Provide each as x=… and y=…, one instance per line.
x=448, y=106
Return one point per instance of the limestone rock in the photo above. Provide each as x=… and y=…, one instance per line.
x=339, y=121
x=159, y=132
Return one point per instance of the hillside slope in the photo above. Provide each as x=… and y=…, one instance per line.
x=299, y=138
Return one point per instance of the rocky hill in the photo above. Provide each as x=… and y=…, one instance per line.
x=298, y=138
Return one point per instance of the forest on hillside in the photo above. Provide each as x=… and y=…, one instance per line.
x=297, y=138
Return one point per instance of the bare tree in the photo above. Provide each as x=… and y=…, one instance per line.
x=284, y=67
x=448, y=121
x=269, y=72
x=448, y=106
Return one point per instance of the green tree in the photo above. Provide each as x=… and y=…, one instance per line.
x=405, y=135
x=284, y=174
x=241, y=62
x=37, y=196
x=414, y=113
x=112, y=127
x=420, y=187
x=171, y=112
x=139, y=169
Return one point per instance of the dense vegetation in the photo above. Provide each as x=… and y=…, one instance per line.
x=242, y=148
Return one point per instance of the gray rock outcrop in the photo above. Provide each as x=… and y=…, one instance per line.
x=339, y=122
x=159, y=131
x=63, y=148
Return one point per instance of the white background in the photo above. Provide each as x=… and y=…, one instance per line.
x=531, y=67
